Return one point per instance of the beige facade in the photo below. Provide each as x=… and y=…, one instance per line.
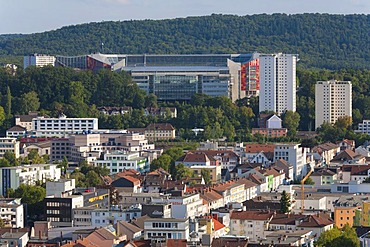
x=333, y=99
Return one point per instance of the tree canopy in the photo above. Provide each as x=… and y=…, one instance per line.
x=305, y=34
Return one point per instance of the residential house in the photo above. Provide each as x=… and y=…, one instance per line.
x=295, y=155
x=170, y=228
x=287, y=168
x=9, y=145
x=355, y=173
x=25, y=121
x=252, y=149
x=12, y=212
x=154, y=180
x=183, y=207
x=324, y=177
x=252, y=224
x=212, y=198
x=327, y=151
x=129, y=230
x=127, y=184
x=347, y=144
x=227, y=159
x=42, y=148
x=16, y=132
x=347, y=210
x=117, y=161
x=14, y=239
x=114, y=110
x=346, y=157
x=12, y=177
x=160, y=131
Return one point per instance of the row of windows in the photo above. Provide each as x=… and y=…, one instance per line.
x=164, y=225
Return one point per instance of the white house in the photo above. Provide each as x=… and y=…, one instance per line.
x=252, y=224
x=11, y=212
x=117, y=161
x=170, y=228
x=274, y=122
x=12, y=177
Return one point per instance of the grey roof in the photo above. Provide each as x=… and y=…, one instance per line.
x=174, y=68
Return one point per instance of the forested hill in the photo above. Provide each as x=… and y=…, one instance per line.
x=321, y=40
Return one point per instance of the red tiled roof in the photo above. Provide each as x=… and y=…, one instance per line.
x=217, y=225
x=256, y=148
x=316, y=221
x=159, y=126
x=251, y=215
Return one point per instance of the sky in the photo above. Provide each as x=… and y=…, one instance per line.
x=32, y=16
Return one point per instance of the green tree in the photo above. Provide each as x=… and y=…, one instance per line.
x=164, y=161
x=151, y=100
x=63, y=165
x=309, y=181
x=79, y=178
x=338, y=238
x=29, y=102
x=93, y=179
x=285, y=202
x=181, y=171
x=344, y=122
x=206, y=174
x=8, y=103
x=30, y=194
x=10, y=156
x=2, y=115
x=291, y=121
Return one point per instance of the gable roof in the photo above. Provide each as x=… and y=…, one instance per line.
x=345, y=155
x=251, y=215
x=316, y=221
x=16, y=128
x=217, y=225
x=128, y=226
x=160, y=126
x=356, y=169
x=256, y=148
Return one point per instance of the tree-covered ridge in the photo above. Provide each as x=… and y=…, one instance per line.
x=321, y=40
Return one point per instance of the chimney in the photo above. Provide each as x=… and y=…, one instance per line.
x=39, y=234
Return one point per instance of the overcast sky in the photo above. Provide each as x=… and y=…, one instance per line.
x=30, y=16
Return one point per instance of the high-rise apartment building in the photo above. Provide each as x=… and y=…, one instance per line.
x=333, y=99
x=38, y=60
x=277, y=82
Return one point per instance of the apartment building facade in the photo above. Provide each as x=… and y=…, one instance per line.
x=333, y=99
x=277, y=82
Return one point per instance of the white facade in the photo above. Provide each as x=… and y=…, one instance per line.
x=277, y=82
x=364, y=127
x=62, y=126
x=117, y=161
x=104, y=217
x=11, y=212
x=9, y=145
x=184, y=207
x=294, y=155
x=274, y=122
x=167, y=228
x=12, y=177
x=38, y=60
x=333, y=99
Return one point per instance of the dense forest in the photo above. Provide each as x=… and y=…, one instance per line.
x=53, y=90
x=322, y=40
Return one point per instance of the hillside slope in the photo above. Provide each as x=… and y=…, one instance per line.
x=321, y=40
